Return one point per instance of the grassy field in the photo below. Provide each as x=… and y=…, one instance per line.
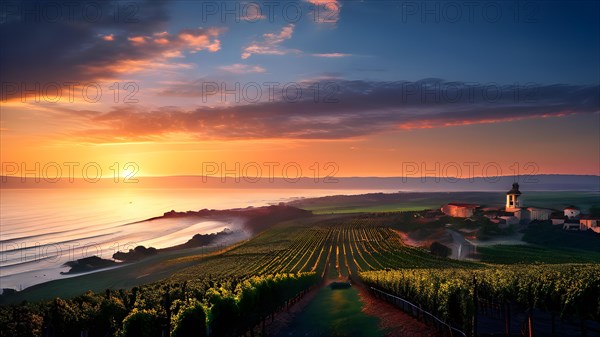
x=333, y=313
x=551, y=236
x=393, y=207
x=413, y=201
x=513, y=254
x=149, y=270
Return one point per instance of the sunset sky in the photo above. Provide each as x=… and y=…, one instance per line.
x=367, y=85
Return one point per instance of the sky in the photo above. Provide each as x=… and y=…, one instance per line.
x=307, y=87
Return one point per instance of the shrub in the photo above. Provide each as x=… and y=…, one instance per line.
x=141, y=323
x=190, y=321
x=439, y=249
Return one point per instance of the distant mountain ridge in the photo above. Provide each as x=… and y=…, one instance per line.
x=550, y=182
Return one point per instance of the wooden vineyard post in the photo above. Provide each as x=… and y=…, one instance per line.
x=167, y=305
x=507, y=317
x=530, y=322
x=475, y=304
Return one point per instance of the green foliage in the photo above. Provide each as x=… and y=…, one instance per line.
x=515, y=254
x=233, y=312
x=141, y=323
x=63, y=317
x=190, y=321
x=565, y=289
x=595, y=210
x=21, y=321
x=229, y=306
x=439, y=249
x=224, y=314
x=545, y=234
x=111, y=313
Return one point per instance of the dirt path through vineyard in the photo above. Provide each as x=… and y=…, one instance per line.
x=345, y=312
x=392, y=321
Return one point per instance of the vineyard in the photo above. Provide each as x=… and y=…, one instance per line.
x=333, y=249
x=453, y=294
x=229, y=307
x=236, y=290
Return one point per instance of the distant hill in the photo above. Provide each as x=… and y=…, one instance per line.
x=557, y=182
x=382, y=202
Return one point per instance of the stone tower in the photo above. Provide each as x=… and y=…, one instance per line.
x=512, y=198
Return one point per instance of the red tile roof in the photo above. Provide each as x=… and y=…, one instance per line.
x=461, y=204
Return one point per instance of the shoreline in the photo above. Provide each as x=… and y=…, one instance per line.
x=156, y=267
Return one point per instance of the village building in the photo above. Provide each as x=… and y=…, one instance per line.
x=524, y=214
x=513, y=213
x=588, y=222
x=509, y=220
x=572, y=226
x=572, y=212
x=513, y=203
x=557, y=218
x=528, y=214
x=459, y=210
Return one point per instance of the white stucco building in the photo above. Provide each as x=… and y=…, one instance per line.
x=524, y=214
x=513, y=203
x=589, y=222
x=572, y=212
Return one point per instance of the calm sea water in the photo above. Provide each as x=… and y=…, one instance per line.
x=41, y=229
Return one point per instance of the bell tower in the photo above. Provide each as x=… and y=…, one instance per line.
x=512, y=198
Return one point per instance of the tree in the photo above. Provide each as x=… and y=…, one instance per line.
x=63, y=317
x=141, y=323
x=111, y=313
x=439, y=249
x=224, y=313
x=190, y=321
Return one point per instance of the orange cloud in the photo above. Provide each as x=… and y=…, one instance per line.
x=198, y=40
x=332, y=55
x=270, y=45
x=137, y=40
x=191, y=39
x=450, y=122
x=322, y=2
x=326, y=11
x=133, y=66
x=239, y=68
x=362, y=108
x=161, y=40
x=157, y=55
